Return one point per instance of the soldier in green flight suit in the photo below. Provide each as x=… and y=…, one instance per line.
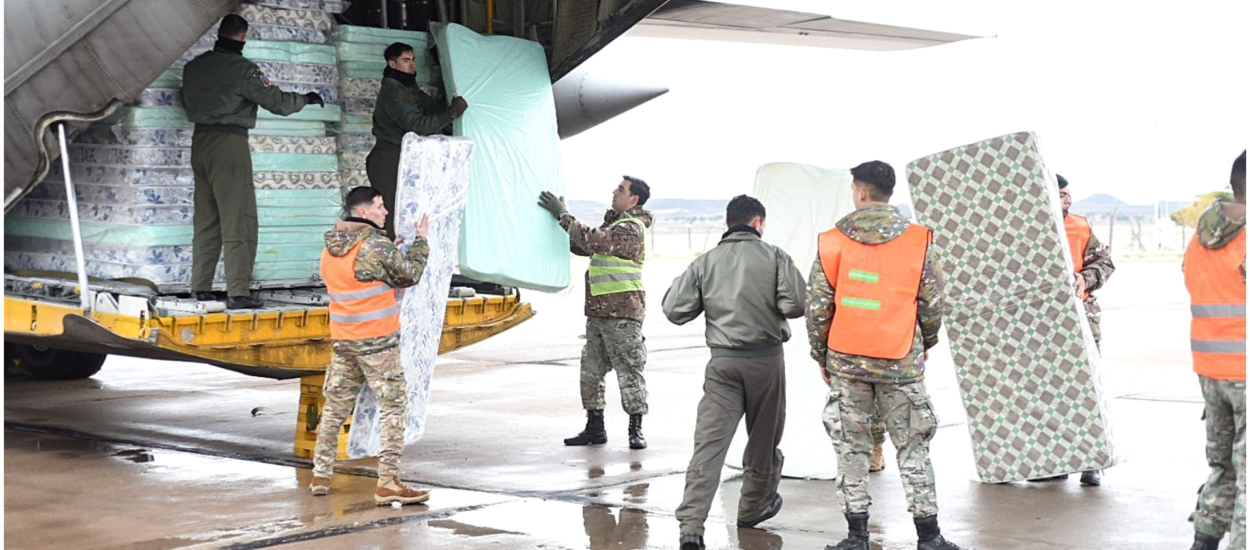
x=401, y=108
x=221, y=90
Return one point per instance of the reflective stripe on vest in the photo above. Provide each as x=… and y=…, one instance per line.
x=612, y=274
x=358, y=311
x=1078, y=232
x=1217, y=295
x=875, y=288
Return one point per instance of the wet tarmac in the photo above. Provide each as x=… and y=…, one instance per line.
x=152, y=455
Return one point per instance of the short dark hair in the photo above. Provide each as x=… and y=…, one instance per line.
x=742, y=209
x=638, y=188
x=1063, y=182
x=359, y=196
x=1238, y=178
x=395, y=50
x=878, y=176
x=232, y=25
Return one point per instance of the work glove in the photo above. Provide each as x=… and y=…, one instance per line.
x=314, y=98
x=553, y=204
x=458, y=106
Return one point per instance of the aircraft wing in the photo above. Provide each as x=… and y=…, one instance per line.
x=720, y=21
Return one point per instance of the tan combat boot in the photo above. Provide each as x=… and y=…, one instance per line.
x=391, y=490
x=320, y=486
x=878, y=459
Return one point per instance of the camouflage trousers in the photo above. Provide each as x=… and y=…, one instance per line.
x=344, y=379
x=853, y=407
x=614, y=344
x=1222, y=499
x=1094, y=314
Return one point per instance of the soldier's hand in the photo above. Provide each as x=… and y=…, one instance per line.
x=824, y=375
x=314, y=98
x=1079, y=286
x=423, y=226
x=458, y=106
x=399, y=239
x=553, y=204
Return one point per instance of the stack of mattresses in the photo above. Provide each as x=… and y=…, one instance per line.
x=506, y=238
x=361, y=62
x=1024, y=354
x=135, y=187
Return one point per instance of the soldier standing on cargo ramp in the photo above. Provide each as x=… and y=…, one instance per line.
x=615, y=306
x=402, y=107
x=221, y=90
x=362, y=268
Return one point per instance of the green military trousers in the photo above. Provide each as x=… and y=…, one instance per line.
x=382, y=166
x=734, y=388
x=225, y=210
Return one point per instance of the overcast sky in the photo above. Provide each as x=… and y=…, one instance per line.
x=1130, y=99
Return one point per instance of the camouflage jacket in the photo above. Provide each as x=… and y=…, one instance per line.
x=874, y=225
x=1216, y=229
x=223, y=87
x=626, y=241
x=378, y=260
x=1098, y=268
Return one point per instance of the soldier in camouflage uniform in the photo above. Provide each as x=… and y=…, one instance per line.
x=1218, y=338
x=1096, y=268
x=867, y=389
x=221, y=91
x=402, y=107
x=615, y=306
x=379, y=267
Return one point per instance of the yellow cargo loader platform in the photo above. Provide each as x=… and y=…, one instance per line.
x=49, y=335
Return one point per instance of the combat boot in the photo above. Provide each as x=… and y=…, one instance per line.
x=594, y=434
x=878, y=459
x=931, y=537
x=320, y=486
x=244, y=302
x=391, y=490
x=857, y=533
x=636, y=441
x=1203, y=541
x=1092, y=478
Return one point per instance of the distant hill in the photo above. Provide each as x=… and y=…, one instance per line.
x=665, y=210
x=1102, y=205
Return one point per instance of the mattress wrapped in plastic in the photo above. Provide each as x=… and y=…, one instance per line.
x=331, y=6
x=298, y=18
x=506, y=237
x=1023, y=350
x=433, y=181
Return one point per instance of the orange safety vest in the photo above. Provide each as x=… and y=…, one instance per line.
x=1077, y=228
x=1217, y=297
x=875, y=288
x=358, y=311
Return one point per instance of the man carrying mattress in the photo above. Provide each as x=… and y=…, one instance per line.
x=402, y=107
x=362, y=268
x=874, y=309
x=1093, y=268
x=220, y=92
x=615, y=306
x=1215, y=275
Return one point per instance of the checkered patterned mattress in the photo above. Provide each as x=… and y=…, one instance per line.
x=1023, y=351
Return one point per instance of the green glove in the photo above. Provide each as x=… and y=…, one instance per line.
x=553, y=204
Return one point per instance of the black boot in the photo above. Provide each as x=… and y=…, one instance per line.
x=1203, y=541
x=1092, y=478
x=931, y=537
x=636, y=441
x=594, y=434
x=244, y=302
x=857, y=533
x=691, y=541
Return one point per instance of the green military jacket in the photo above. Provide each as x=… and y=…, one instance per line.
x=223, y=87
x=401, y=109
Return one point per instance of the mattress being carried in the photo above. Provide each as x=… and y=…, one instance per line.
x=506, y=237
x=433, y=182
x=1024, y=354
